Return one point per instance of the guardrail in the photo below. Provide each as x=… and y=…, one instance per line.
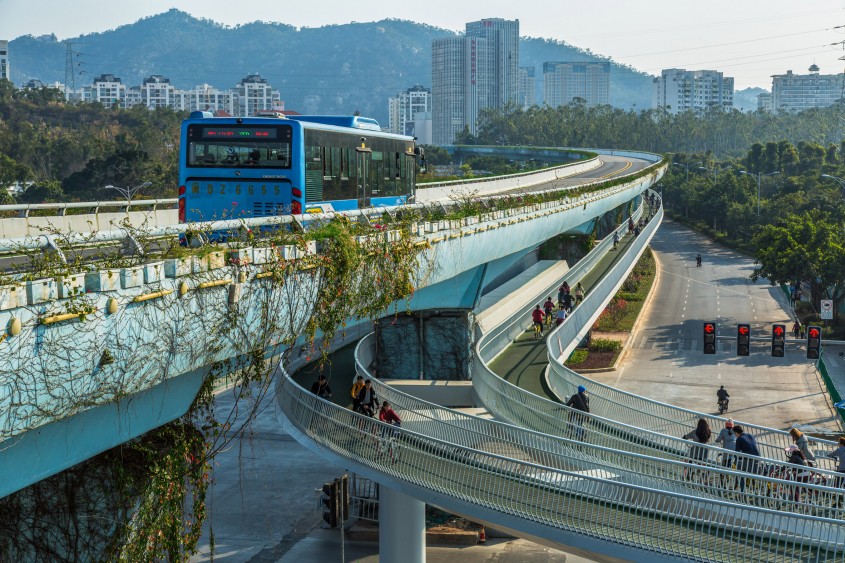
x=553, y=503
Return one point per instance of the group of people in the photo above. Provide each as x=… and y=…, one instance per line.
x=733, y=438
x=567, y=298
x=364, y=399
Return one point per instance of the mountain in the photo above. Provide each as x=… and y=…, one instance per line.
x=331, y=69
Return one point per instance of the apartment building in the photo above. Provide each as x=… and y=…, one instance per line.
x=564, y=82
x=527, y=87
x=404, y=108
x=678, y=90
x=5, y=73
x=797, y=92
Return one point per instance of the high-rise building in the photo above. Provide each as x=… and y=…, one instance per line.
x=471, y=73
x=679, y=90
x=527, y=87
x=797, y=92
x=764, y=101
x=504, y=37
x=402, y=109
x=564, y=82
x=254, y=93
x=5, y=73
x=207, y=98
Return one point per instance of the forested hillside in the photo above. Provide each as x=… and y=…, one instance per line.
x=332, y=69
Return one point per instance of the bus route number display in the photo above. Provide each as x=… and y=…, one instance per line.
x=239, y=133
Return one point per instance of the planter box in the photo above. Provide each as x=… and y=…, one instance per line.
x=39, y=291
x=131, y=277
x=153, y=272
x=264, y=255
x=104, y=280
x=362, y=240
x=71, y=285
x=12, y=296
x=392, y=236
x=240, y=256
x=178, y=267
x=211, y=261
x=430, y=227
x=290, y=252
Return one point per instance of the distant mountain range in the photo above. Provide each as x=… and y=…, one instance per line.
x=334, y=69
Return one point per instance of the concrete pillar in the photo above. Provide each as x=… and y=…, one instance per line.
x=401, y=523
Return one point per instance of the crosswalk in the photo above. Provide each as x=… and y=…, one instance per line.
x=676, y=344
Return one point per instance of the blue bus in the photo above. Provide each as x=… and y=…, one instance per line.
x=265, y=166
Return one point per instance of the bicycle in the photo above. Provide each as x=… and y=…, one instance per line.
x=538, y=330
x=387, y=444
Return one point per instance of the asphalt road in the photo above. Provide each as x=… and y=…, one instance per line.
x=665, y=361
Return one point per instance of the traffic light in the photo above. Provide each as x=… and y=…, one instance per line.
x=709, y=338
x=335, y=500
x=331, y=506
x=743, y=339
x=814, y=342
x=778, y=340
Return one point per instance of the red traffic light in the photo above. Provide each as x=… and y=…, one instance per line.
x=743, y=330
x=709, y=328
x=778, y=330
x=814, y=332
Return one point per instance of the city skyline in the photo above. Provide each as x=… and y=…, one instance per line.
x=734, y=38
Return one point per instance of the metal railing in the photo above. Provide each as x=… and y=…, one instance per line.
x=553, y=502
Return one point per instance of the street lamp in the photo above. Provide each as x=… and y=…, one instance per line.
x=685, y=166
x=836, y=179
x=128, y=193
x=759, y=177
x=715, y=171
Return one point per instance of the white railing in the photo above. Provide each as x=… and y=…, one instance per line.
x=553, y=502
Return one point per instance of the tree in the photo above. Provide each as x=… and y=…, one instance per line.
x=806, y=246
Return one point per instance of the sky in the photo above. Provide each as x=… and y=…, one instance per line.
x=749, y=40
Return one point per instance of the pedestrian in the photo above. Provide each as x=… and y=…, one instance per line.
x=727, y=439
x=615, y=239
x=745, y=444
x=579, y=293
x=803, y=444
x=796, y=457
x=367, y=399
x=321, y=387
x=357, y=385
x=839, y=455
x=796, y=329
x=580, y=403
x=701, y=435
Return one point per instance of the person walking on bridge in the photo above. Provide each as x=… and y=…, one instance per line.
x=701, y=435
x=579, y=402
x=745, y=444
x=839, y=455
x=321, y=387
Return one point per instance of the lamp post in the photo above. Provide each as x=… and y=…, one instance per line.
x=836, y=179
x=685, y=166
x=128, y=193
x=715, y=171
x=759, y=177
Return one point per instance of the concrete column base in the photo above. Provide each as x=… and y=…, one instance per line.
x=401, y=536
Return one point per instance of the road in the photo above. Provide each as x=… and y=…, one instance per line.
x=664, y=359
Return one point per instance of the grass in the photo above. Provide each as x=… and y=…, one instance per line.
x=621, y=318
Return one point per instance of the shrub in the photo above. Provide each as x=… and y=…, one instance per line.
x=579, y=356
x=604, y=345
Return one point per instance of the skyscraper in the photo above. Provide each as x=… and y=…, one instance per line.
x=469, y=73
x=527, y=87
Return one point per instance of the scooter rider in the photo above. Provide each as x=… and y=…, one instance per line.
x=722, y=395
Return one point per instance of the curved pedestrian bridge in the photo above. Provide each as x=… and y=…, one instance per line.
x=617, y=481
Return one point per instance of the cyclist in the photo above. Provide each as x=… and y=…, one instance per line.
x=804, y=445
x=722, y=396
x=796, y=457
x=727, y=439
x=561, y=316
x=321, y=387
x=701, y=435
x=355, y=391
x=537, y=318
x=548, y=308
x=388, y=415
x=367, y=399
x=567, y=302
x=579, y=402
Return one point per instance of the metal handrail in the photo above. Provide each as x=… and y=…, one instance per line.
x=549, y=501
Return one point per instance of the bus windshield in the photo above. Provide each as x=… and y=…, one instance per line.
x=236, y=146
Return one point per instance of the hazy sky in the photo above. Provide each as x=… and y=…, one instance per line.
x=747, y=39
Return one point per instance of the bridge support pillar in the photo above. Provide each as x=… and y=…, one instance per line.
x=401, y=537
